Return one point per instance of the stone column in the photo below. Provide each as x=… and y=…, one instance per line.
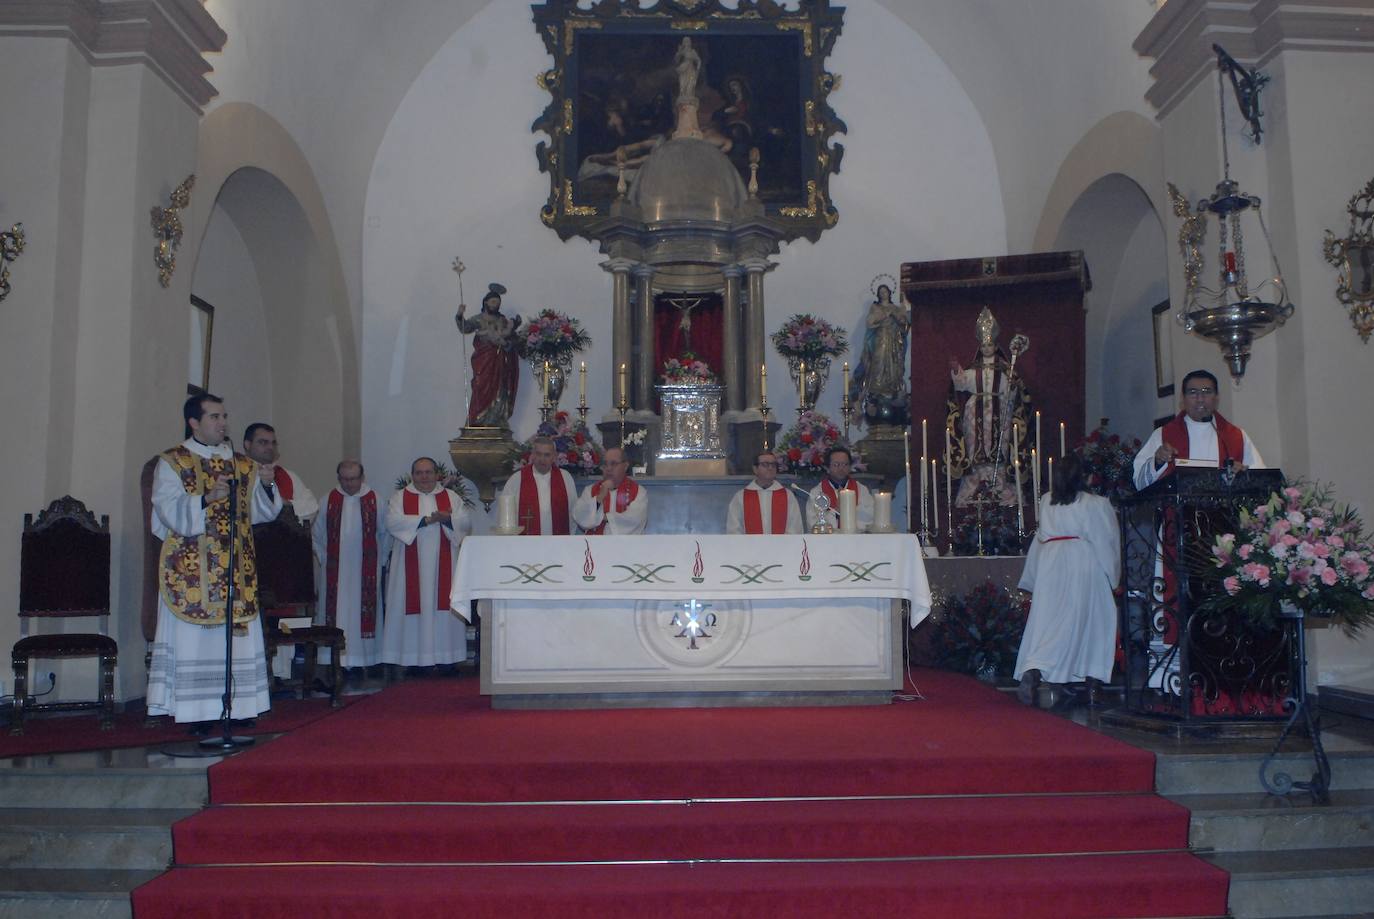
x=731, y=370
x=644, y=368
x=622, y=327
x=754, y=335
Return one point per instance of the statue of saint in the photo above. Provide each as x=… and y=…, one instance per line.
x=688, y=64
x=878, y=384
x=495, y=361
x=988, y=398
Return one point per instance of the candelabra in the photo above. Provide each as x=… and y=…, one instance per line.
x=765, y=410
x=622, y=408
x=847, y=409
x=582, y=410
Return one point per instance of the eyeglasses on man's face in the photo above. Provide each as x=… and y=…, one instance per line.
x=1199, y=393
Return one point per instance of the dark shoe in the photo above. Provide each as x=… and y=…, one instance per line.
x=1030, y=682
x=244, y=722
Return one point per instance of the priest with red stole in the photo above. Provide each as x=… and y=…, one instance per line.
x=838, y=462
x=544, y=493
x=764, y=507
x=426, y=522
x=260, y=444
x=351, y=543
x=1199, y=432
x=615, y=506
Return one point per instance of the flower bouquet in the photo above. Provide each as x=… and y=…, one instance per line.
x=1108, y=462
x=803, y=447
x=690, y=369
x=807, y=338
x=1298, y=548
x=980, y=633
x=578, y=450
x=554, y=337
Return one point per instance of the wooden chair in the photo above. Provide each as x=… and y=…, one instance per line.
x=286, y=588
x=64, y=572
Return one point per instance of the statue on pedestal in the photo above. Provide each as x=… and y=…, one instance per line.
x=495, y=361
x=988, y=408
x=878, y=385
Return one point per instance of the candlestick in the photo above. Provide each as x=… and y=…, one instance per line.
x=546, y=384
x=949, y=487
x=624, y=386
x=582, y=384
x=801, y=387
x=763, y=384
x=934, y=497
x=1062, y=443
x=925, y=491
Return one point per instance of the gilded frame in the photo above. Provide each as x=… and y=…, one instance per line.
x=764, y=86
x=1353, y=257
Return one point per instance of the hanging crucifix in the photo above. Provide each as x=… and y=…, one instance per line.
x=685, y=305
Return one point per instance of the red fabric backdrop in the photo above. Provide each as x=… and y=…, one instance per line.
x=708, y=322
x=1039, y=296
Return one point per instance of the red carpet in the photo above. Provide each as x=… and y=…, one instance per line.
x=44, y=734
x=421, y=807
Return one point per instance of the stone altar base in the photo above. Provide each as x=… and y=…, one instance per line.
x=672, y=468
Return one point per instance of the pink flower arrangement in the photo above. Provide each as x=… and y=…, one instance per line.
x=554, y=336
x=577, y=450
x=1299, y=547
x=803, y=447
x=807, y=338
x=690, y=369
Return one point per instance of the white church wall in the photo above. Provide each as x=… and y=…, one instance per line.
x=456, y=175
x=1127, y=392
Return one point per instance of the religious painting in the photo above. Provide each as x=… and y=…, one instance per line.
x=202, y=337
x=761, y=89
x=1164, y=360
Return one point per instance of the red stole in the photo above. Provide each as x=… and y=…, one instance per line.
x=529, y=503
x=282, y=479
x=753, y=511
x=367, y=509
x=410, y=506
x=624, y=496
x=833, y=498
x=1230, y=439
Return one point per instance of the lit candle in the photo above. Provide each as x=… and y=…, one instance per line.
x=845, y=392
x=1062, y=442
x=924, y=451
x=546, y=383
x=624, y=386
x=801, y=384
x=906, y=466
x=1051, y=474
x=582, y=385
x=763, y=384
x=1037, y=443
x=1035, y=481
x=934, y=498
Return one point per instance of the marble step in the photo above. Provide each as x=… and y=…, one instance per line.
x=1238, y=773
x=1301, y=882
x=104, y=788
x=122, y=838
x=1258, y=822
x=69, y=893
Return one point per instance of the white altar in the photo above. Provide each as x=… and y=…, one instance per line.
x=691, y=620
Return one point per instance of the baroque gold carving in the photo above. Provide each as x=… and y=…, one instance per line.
x=11, y=244
x=167, y=228
x=804, y=28
x=570, y=28
x=574, y=210
x=1353, y=258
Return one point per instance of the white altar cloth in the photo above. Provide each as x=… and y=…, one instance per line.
x=681, y=567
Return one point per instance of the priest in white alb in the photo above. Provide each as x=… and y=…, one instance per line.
x=765, y=506
x=351, y=542
x=615, y=506
x=191, y=489
x=1198, y=433
x=426, y=522
x=544, y=494
x=838, y=463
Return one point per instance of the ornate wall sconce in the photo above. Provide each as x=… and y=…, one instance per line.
x=11, y=244
x=1353, y=257
x=1234, y=314
x=167, y=229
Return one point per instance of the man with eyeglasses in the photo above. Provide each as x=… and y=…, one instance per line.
x=1199, y=432
x=615, y=506
x=765, y=506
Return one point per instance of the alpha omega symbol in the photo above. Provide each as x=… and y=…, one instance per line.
x=693, y=620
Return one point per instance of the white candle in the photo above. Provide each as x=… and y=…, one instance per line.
x=924, y=451
x=546, y=383
x=934, y=499
x=845, y=391
x=926, y=487
x=848, y=518
x=1062, y=443
x=1035, y=480
x=882, y=511
x=624, y=386
x=801, y=384
x=763, y=384
x=505, y=512
x=582, y=385
x=1051, y=474
x=1038, y=444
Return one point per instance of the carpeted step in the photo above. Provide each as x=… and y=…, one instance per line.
x=859, y=828
x=1172, y=884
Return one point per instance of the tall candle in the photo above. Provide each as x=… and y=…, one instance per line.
x=848, y=518
x=801, y=384
x=505, y=512
x=934, y=498
x=624, y=386
x=582, y=385
x=1051, y=474
x=1038, y=443
x=546, y=382
x=845, y=392
x=1035, y=481
x=882, y=511
x=1062, y=443
x=906, y=468
x=924, y=451
x=763, y=384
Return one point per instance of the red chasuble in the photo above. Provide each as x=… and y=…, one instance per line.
x=282, y=479
x=410, y=506
x=1230, y=439
x=624, y=496
x=753, y=511
x=367, y=509
x=529, y=503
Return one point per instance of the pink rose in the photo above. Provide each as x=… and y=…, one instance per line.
x=1232, y=585
x=1245, y=550
x=1292, y=492
x=1329, y=577
x=1256, y=572
x=1354, y=566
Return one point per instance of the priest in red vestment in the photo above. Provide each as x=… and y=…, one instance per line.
x=615, y=506
x=838, y=462
x=765, y=506
x=351, y=543
x=544, y=494
x=260, y=443
x=1199, y=432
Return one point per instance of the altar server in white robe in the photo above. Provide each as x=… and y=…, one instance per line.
x=426, y=522
x=838, y=463
x=615, y=506
x=544, y=494
x=191, y=516
x=765, y=506
x=351, y=543
x=1072, y=568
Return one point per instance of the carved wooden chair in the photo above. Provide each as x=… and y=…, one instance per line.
x=64, y=572
x=286, y=588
